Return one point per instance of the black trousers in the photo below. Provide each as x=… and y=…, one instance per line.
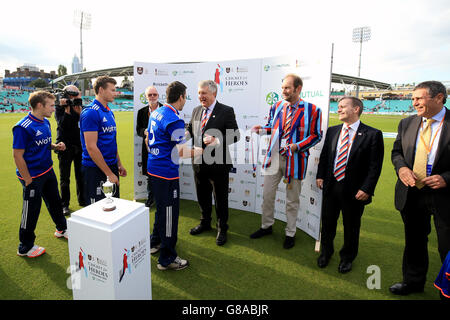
x=213, y=181
x=71, y=154
x=417, y=223
x=150, y=196
x=93, y=179
x=333, y=203
x=43, y=187
x=165, y=228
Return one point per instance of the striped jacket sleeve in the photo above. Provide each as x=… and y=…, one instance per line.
x=313, y=129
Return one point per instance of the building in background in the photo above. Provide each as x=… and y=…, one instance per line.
x=26, y=74
x=76, y=65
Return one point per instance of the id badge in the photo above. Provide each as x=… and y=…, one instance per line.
x=429, y=167
x=283, y=143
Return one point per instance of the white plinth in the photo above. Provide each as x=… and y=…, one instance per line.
x=110, y=252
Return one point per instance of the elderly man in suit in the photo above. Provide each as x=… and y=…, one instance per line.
x=212, y=127
x=421, y=157
x=143, y=115
x=349, y=167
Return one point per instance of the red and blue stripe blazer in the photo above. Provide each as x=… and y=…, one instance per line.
x=306, y=131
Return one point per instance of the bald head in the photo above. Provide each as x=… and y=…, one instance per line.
x=152, y=95
x=71, y=88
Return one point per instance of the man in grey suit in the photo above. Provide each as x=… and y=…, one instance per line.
x=421, y=157
x=212, y=127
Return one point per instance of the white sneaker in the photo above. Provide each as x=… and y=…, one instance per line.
x=155, y=249
x=60, y=234
x=177, y=264
x=34, y=252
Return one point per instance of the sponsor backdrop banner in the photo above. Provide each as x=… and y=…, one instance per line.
x=250, y=87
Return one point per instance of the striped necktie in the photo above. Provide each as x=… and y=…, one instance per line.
x=421, y=158
x=204, y=118
x=287, y=127
x=341, y=163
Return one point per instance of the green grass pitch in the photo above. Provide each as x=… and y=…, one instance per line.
x=242, y=269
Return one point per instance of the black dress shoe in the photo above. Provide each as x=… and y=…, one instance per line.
x=323, y=260
x=345, y=266
x=261, y=232
x=404, y=289
x=289, y=242
x=221, y=238
x=199, y=229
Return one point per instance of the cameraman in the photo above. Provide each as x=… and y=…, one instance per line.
x=67, y=116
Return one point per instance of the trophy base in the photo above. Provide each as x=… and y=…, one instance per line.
x=109, y=205
x=110, y=208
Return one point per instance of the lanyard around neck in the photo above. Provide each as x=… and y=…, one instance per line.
x=430, y=146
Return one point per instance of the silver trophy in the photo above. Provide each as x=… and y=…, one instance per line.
x=108, y=189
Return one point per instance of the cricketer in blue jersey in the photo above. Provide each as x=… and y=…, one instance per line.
x=100, y=157
x=32, y=145
x=442, y=281
x=165, y=132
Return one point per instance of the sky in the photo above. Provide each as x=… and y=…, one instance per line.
x=410, y=40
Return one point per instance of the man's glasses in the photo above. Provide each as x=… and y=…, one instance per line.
x=152, y=95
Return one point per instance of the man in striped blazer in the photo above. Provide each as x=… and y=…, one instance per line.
x=348, y=171
x=295, y=127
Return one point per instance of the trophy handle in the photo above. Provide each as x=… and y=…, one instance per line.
x=114, y=189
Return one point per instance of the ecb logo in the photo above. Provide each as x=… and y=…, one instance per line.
x=271, y=98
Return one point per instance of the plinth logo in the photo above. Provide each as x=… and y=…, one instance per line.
x=272, y=97
x=81, y=261
x=126, y=266
x=132, y=258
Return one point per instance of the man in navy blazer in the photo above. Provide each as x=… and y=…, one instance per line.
x=419, y=195
x=348, y=171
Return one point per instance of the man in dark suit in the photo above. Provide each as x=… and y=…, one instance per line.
x=421, y=157
x=143, y=115
x=349, y=168
x=212, y=127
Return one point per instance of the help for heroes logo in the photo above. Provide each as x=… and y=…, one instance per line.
x=131, y=258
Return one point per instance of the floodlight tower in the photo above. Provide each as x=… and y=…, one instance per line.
x=360, y=35
x=83, y=20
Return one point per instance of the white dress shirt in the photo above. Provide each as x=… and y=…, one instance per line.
x=351, y=134
x=435, y=132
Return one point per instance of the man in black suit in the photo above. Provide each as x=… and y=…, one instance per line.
x=349, y=167
x=143, y=115
x=212, y=127
x=421, y=157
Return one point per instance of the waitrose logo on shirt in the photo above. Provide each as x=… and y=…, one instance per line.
x=44, y=141
x=109, y=129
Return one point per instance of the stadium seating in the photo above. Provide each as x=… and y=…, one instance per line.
x=385, y=106
x=18, y=99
